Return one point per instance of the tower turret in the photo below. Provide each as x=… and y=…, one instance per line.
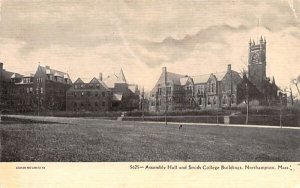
x=257, y=63
x=261, y=41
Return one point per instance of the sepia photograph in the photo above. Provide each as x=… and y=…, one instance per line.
x=149, y=81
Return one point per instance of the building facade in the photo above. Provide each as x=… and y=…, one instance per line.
x=110, y=93
x=257, y=62
x=92, y=96
x=218, y=90
x=43, y=91
x=174, y=91
x=7, y=80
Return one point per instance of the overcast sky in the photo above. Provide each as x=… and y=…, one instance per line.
x=85, y=37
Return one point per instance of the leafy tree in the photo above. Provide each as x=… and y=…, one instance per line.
x=247, y=91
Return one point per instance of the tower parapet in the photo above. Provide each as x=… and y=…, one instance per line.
x=257, y=62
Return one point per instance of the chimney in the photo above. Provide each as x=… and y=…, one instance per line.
x=228, y=67
x=1, y=66
x=100, y=76
x=47, y=67
x=164, y=69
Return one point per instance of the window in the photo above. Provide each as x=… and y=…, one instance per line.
x=75, y=104
x=88, y=93
x=96, y=94
x=75, y=86
x=37, y=90
x=51, y=77
x=27, y=89
x=82, y=94
x=75, y=94
x=200, y=101
x=103, y=94
x=96, y=103
x=159, y=91
x=103, y=103
x=39, y=80
x=42, y=90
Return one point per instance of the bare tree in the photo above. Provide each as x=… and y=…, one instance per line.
x=296, y=81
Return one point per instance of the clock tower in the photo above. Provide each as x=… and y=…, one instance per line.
x=257, y=63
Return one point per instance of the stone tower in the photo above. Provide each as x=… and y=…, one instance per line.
x=257, y=62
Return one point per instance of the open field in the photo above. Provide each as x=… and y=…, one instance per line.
x=95, y=140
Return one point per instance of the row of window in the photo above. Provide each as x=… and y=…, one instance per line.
x=210, y=101
x=58, y=79
x=81, y=86
x=96, y=104
x=159, y=91
x=30, y=90
x=200, y=89
x=88, y=93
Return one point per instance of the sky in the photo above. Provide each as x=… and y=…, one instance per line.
x=189, y=37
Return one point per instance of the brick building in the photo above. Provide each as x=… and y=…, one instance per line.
x=216, y=90
x=194, y=92
x=125, y=96
x=7, y=80
x=110, y=93
x=92, y=96
x=24, y=96
x=267, y=90
x=43, y=91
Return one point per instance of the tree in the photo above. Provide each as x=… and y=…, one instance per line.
x=246, y=90
x=296, y=81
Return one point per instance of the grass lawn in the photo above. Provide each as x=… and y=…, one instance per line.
x=100, y=140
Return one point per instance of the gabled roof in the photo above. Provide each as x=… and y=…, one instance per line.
x=121, y=77
x=97, y=81
x=48, y=70
x=173, y=77
x=5, y=75
x=183, y=80
x=110, y=80
x=133, y=88
x=200, y=79
x=94, y=81
x=16, y=75
x=220, y=75
x=103, y=84
x=79, y=81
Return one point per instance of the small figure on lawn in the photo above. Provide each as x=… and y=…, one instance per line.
x=180, y=127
